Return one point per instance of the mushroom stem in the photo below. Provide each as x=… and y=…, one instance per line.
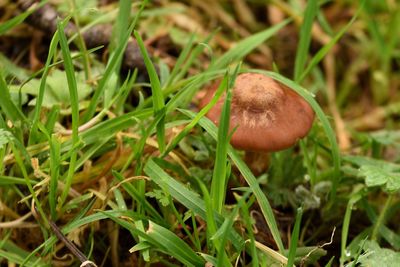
x=258, y=162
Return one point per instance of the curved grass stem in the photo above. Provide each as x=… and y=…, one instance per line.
x=381, y=217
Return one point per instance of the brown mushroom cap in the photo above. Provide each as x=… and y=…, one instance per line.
x=268, y=115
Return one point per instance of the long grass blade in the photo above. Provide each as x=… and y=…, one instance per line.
x=73, y=92
x=42, y=88
x=55, y=147
x=181, y=59
x=158, y=98
x=220, y=179
x=169, y=242
x=295, y=238
x=112, y=65
x=326, y=48
x=189, y=199
x=305, y=37
x=162, y=239
x=203, y=112
x=7, y=106
x=250, y=179
x=8, y=25
x=244, y=47
x=346, y=226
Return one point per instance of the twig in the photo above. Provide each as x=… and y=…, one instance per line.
x=341, y=131
x=321, y=246
x=18, y=223
x=71, y=246
x=45, y=19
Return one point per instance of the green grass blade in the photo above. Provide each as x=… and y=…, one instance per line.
x=261, y=198
x=373, y=26
x=109, y=127
x=326, y=48
x=52, y=118
x=13, y=253
x=174, y=245
x=121, y=24
x=136, y=196
x=194, y=56
x=11, y=180
x=389, y=235
x=213, y=232
x=187, y=91
x=145, y=246
x=158, y=98
x=187, y=88
x=223, y=231
x=248, y=223
x=49, y=243
x=305, y=37
x=90, y=151
x=244, y=47
x=55, y=163
x=392, y=41
x=322, y=20
x=346, y=226
x=162, y=239
x=295, y=238
x=7, y=106
x=325, y=124
x=73, y=92
x=42, y=88
x=8, y=25
x=139, y=147
x=24, y=172
x=112, y=65
x=329, y=264
x=189, y=199
x=219, y=178
x=203, y=112
x=181, y=59
x=59, y=62
x=250, y=179
x=9, y=69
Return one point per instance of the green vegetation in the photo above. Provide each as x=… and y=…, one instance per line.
x=123, y=164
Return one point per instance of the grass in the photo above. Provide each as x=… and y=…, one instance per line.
x=133, y=174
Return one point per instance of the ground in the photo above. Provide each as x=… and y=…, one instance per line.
x=106, y=156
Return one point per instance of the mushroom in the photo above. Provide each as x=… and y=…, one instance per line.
x=267, y=115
